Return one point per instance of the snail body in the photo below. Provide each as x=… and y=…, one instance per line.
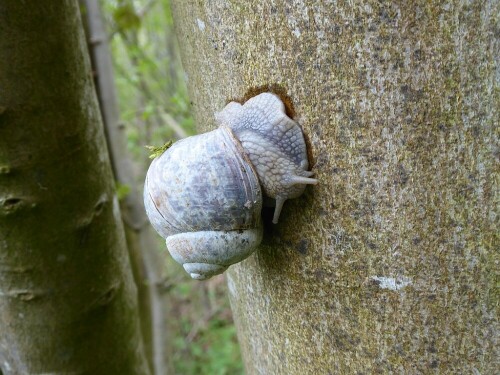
x=204, y=194
x=275, y=145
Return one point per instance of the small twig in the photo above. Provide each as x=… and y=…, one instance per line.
x=174, y=125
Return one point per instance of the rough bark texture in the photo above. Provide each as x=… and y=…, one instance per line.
x=67, y=298
x=388, y=265
x=141, y=243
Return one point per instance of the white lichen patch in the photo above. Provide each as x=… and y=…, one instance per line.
x=201, y=24
x=391, y=283
x=302, y=17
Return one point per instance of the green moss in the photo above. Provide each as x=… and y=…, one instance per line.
x=157, y=151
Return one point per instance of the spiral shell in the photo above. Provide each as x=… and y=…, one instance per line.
x=204, y=197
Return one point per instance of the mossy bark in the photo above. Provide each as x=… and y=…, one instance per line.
x=388, y=264
x=67, y=297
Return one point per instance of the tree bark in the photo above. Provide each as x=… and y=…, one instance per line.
x=67, y=297
x=388, y=265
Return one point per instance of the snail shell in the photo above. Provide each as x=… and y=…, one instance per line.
x=204, y=197
x=204, y=193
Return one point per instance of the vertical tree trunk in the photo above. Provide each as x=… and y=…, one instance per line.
x=67, y=297
x=388, y=265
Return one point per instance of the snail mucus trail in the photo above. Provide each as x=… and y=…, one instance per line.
x=204, y=194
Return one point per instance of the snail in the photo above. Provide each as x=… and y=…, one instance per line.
x=204, y=194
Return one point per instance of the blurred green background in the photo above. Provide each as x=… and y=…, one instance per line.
x=154, y=108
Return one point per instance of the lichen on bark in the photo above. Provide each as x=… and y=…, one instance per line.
x=388, y=265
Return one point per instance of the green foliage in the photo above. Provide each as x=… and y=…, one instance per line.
x=148, y=73
x=154, y=109
x=214, y=352
x=125, y=17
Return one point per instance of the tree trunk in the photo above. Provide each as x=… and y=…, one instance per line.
x=142, y=245
x=67, y=297
x=388, y=265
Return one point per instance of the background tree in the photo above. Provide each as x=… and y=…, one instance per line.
x=154, y=107
x=146, y=262
x=389, y=264
x=67, y=297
